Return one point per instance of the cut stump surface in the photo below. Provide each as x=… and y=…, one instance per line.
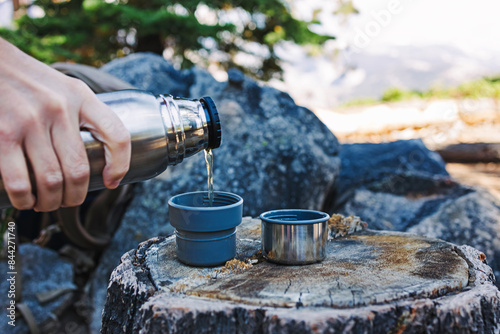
x=370, y=281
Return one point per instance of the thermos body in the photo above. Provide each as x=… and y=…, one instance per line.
x=163, y=130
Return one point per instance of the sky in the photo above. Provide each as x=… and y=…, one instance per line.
x=469, y=25
x=6, y=9
x=466, y=24
x=404, y=43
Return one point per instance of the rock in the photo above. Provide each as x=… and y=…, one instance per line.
x=273, y=151
x=235, y=77
x=402, y=186
x=46, y=287
x=473, y=219
x=274, y=154
x=389, y=165
x=370, y=282
x=147, y=72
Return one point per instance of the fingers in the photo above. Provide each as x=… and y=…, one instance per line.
x=106, y=127
x=57, y=158
x=73, y=161
x=46, y=168
x=15, y=176
x=41, y=112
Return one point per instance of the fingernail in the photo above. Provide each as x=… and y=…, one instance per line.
x=114, y=184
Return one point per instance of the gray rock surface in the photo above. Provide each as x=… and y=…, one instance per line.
x=274, y=154
x=389, y=166
x=150, y=72
x=43, y=272
x=403, y=186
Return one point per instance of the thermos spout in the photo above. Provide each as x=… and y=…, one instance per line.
x=190, y=126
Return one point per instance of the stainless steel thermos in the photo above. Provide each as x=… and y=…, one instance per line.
x=164, y=130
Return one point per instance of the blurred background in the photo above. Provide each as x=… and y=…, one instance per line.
x=371, y=70
x=324, y=53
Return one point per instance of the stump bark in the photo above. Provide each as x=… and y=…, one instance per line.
x=370, y=282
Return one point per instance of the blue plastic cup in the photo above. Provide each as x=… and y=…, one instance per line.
x=205, y=235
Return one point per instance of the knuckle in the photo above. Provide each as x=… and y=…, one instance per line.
x=58, y=107
x=29, y=120
x=52, y=181
x=123, y=139
x=76, y=165
x=54, y=105
x=7, y=133
x=78, y=85
x=79, y=174
x=18, y=189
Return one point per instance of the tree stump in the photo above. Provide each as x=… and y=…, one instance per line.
x=370, y=282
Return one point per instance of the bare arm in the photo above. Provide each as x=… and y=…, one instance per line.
x=41, y=113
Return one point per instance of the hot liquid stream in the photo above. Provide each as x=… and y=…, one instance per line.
x=209, y=158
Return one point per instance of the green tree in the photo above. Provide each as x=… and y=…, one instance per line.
x=219, y=32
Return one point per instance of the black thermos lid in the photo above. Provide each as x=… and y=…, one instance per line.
x=214, y=130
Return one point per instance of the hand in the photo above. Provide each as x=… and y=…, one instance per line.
x=41, y=114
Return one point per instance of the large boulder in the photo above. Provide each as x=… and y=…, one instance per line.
x=274, y=154
x=403, y=186
x=45, y=283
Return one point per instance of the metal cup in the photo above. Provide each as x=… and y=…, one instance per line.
x=294, y=236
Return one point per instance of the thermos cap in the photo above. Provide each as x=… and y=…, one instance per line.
x=214, y=129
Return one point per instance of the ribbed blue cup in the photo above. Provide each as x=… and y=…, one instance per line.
x=205, y=235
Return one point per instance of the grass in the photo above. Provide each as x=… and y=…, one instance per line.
x=488, y=87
